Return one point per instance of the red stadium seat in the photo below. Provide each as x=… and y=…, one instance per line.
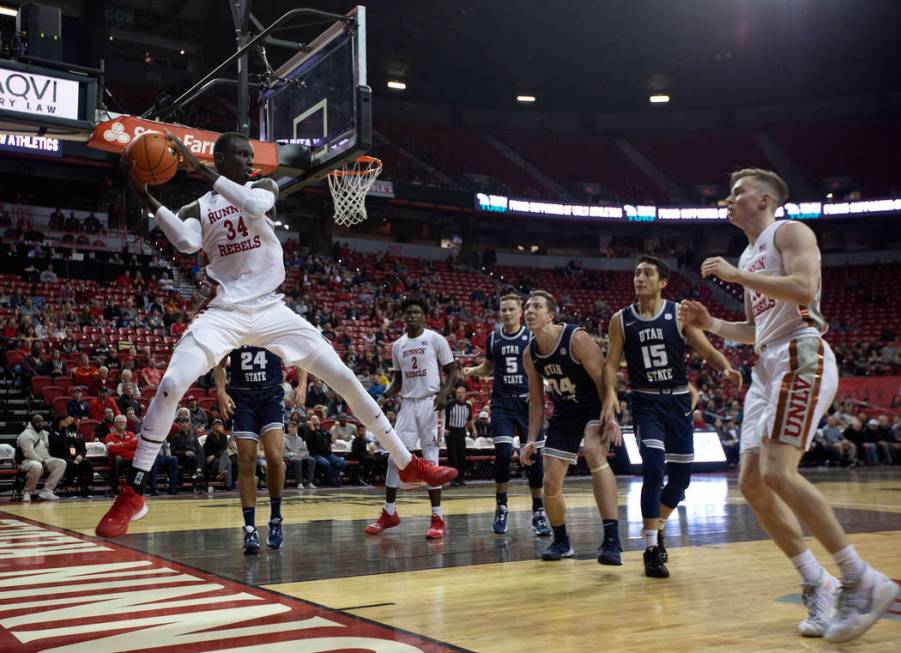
x=51, y=392
x=86, y=429
x=64, y=382
x=60, y=405
x=208, y=403
x=38, y=383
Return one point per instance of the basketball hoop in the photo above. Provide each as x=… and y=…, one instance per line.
x=349, y=185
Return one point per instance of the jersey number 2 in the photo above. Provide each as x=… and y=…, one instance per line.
x=654, y=356
x=249, y=361
x=233, y=231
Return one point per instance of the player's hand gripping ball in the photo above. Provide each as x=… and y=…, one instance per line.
x=151, y=159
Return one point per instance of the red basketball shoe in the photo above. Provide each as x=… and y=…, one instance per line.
x=437, y=529
x=420, y=471
x=384, y=522
x=129, y=507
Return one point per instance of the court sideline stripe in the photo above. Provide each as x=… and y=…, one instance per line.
x=91, y=538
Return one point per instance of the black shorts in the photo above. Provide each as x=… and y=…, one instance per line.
x=664, y=422
x=567, y=428
x=257, y=411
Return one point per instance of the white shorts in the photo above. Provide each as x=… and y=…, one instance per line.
x=793, y=385
x=264, y=322
x=419, y=424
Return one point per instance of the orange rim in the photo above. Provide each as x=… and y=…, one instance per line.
x=371, y=160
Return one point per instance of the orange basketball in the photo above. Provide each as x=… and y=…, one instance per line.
x=152, y=160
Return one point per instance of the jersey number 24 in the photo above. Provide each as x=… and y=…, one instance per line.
x=249, y=360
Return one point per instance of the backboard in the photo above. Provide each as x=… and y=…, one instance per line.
x=317, y=107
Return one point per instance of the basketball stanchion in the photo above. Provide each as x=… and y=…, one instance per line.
x=349, y=185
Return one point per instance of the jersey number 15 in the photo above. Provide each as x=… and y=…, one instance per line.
x=654, y=356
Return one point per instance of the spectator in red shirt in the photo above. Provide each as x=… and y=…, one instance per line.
x=101, y=403
x=86, y=375
x=697, y=419
x=124, y=280
x=151, y=374
x=120, y=447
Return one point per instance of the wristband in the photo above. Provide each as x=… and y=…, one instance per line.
x=716, y=326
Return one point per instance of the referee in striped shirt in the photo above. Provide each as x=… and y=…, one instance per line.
x=458, y=418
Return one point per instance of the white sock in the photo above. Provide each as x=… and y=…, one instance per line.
x=650, y=537
x=810, y=570
x=389, y=508
x=850, y=563
x=436, y=510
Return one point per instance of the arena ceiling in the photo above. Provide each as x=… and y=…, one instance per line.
x=591, y=55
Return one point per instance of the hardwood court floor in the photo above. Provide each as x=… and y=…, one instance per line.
x=730, y=589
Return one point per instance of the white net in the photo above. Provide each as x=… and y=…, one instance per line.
x=349, y=185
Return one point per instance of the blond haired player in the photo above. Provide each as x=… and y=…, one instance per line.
x=794, y=381
x=232, y=225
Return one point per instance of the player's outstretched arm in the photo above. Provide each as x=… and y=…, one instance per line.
x=183, y=230
x=226, y=403
x=611, y=367
x=715, y=358
x=587, y=353
x=485, y=368
x=800, y=258
x=695, y=314
x=300, y=392
x=536, y=409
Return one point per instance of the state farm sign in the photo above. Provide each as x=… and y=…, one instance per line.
x=38, y=95
x=114, y=136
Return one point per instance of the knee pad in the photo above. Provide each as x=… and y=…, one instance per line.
x=503, y=454
x=678, y=479
x=535, y=472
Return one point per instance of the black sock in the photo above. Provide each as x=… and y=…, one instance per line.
x=137, y=479
x=249, y=516
x=611, y=529
x=560, y=533
x=275, y=508
x=501, y=498
x=537, y=504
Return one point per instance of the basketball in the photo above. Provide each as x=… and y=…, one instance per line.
x=152, y=159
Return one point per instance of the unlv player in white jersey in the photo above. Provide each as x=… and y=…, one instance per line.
x=232, y=225
x=793, y=384
x=419, y=357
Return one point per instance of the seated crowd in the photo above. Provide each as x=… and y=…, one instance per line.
x=102, y=348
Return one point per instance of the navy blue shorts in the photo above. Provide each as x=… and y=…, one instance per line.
x=664, y=422
x=509, y=418
x=567, y=428
x=257, y=411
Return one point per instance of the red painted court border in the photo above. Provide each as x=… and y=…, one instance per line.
x=351, y=626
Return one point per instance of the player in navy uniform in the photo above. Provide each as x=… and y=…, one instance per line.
x=510, y=410
x=652, y=337
x=255, y=400
x=564, y=358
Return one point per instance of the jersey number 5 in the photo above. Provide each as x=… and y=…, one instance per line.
x=249, y=361
x=233, y=231
x=654, y=356
x=512, y=364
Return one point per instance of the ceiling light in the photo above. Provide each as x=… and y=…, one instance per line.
x=397, y=86
x=659, y=99
x=9, y=11
x=181, y=52
x=525, y=98
x=111, y=37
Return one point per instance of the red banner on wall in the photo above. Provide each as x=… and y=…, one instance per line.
x=115, y=135
x=875, y=390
